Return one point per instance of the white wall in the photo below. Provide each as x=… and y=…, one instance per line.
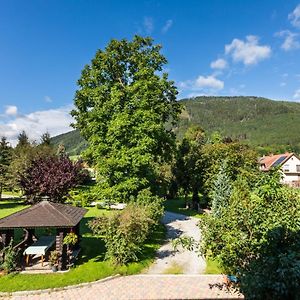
x=290, y=171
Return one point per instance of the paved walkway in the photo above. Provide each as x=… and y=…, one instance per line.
x=141, y=287
x=150, y=286
x=188, y=262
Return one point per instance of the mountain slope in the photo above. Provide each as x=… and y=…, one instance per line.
x=264, y=123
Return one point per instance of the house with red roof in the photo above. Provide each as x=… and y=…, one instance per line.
x=289, y=164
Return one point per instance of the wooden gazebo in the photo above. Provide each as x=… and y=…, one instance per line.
x=64, y=218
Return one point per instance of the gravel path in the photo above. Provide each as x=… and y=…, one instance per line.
x=188, y=261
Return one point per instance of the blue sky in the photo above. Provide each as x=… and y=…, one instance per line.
x=216, y=47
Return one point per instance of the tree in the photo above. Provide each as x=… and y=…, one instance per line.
x=46, y=139
x=121, y=108
x=23, y=140
x=221, y=190
x=241, y=160
x=5, y=160
x=23, y=154
x=257, y=238
x=50, y=177
x=188, y=167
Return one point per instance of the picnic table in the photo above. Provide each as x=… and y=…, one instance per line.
x=40, y=247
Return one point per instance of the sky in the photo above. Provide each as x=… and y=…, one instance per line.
x=216, y=47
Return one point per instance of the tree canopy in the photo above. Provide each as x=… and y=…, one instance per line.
x=121, y=107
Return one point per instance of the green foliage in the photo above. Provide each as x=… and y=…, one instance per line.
x=8, y=258
x=255, y=238
x=275, y=274
x=72, y=141
x=121, y=108
x=53, y=258
x=124, y=233
x=241, y=160
x=269, y=126
x=188, y=165
x=5, y=161
x=70, y=239
x=221, y=190
x=46, y=139
x=151, y=203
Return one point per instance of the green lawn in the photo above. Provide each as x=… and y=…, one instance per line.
x=212, y=267
x=10, y=207
x=178, y=206
x=91, y=266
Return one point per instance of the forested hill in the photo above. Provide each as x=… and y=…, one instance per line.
x=269, y=125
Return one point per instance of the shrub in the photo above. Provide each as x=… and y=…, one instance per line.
x=124, y=233
x=153, y=204
x=9, y=258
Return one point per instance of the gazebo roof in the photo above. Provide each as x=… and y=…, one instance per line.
x=44, y=214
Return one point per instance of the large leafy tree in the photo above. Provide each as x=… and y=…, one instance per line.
x=121, y=107
x=188, y=166
x=51, y=177
x=257, y=238
x=240, y=160
x=5, y=161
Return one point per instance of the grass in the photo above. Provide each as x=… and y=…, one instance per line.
x=11, y=193
x=178, y=206
x=8, y=207
x=90, y=267
x=175, y=268
x=212, y=267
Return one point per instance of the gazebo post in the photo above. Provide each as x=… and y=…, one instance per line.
x=61, y=248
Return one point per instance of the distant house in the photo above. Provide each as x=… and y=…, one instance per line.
x=289, y=164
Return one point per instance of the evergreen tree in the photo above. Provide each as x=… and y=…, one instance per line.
x=221, y=190
x=46, y=139
x=5, y=160
x=23, y=140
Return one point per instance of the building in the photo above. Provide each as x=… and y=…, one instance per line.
x=289, y=164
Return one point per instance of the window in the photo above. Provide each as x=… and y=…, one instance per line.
x=286, y=168
x=298, y=168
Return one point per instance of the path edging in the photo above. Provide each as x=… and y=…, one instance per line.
x=47, y=291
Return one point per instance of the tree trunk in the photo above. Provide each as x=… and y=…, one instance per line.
x=195, y=199
x=1, y=189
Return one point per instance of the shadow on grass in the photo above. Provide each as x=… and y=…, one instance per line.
x=92, y=248
x=12, y=204
x=177, y=205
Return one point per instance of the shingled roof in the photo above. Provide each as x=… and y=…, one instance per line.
x=268, y=162
x=44, y=214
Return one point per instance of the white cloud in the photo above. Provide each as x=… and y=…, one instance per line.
x=297, y=95
x=248, y=52
x=148, y=25
x=48, y=99
x=55, y=121
x=167, y=26
x=219, y=64
x=294, y=16
x=11, y=110
x=290, y=40
x=282, y=84
x=209, y=82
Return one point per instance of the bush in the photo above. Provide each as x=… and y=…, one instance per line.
x=8, y=258
x=153, y=204
x=124, y=233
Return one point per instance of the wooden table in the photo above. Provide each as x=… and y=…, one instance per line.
x=40, y=247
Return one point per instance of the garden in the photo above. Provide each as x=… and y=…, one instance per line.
x=91, y=265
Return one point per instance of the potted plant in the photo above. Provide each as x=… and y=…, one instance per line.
x=70, y=240
x=53, y=260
